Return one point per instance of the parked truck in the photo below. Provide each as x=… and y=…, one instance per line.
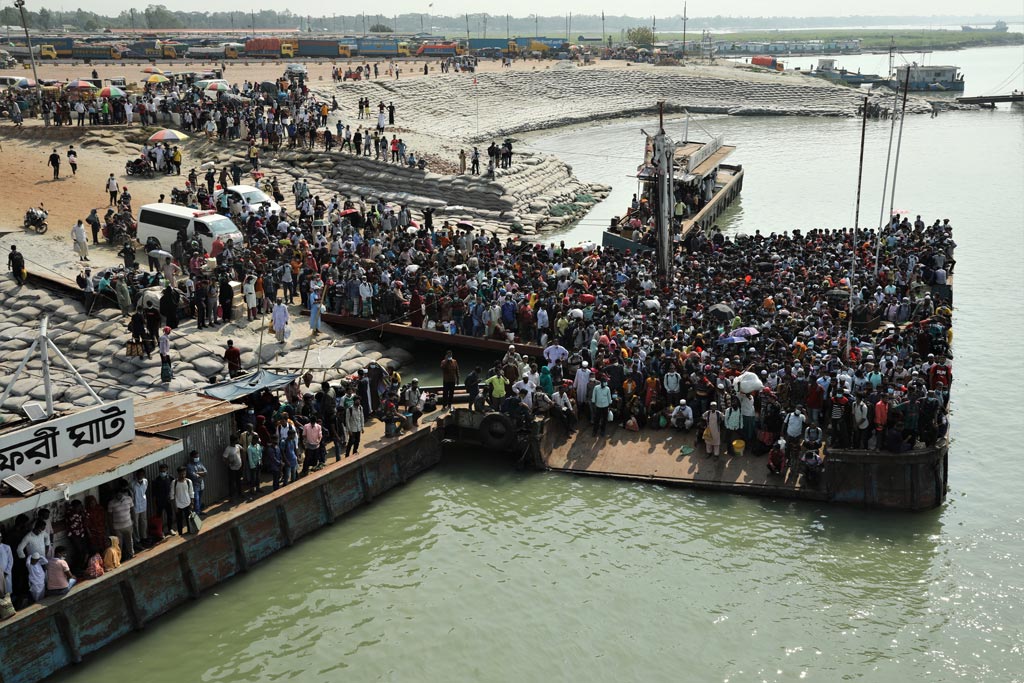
x=507, y=47
x=62, y=46
x=214, y=52
x=38, y=51
x=90, y=52
x=445, y=49
x=767, y=62
x=318, y=48
x=156, y=49
x=382, y=47
x=268, y=48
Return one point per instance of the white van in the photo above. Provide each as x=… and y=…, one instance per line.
x=166, y=221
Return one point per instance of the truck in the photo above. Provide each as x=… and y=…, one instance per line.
x=38, y=51
x=540, y=44
x=214, y=52
x=382, y=47
x=490, y=46
x=445, y=49
x=89, y=52
x=268, y=48
x=767, y=62
x=62, y=46
x=156, y=49
x=205, y=52
x=318, y=48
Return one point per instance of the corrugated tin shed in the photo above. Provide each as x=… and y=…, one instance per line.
x=168, y=411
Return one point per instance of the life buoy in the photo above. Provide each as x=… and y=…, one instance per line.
x=497, y=431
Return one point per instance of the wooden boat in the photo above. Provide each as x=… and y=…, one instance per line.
x=460, y=341
x=698, y=165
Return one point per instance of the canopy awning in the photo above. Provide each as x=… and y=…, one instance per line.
x=240, y=387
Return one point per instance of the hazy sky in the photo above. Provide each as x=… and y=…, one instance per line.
x=1009, y=8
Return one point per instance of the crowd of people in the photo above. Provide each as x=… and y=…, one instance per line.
x=757, y=345
x=757, y=342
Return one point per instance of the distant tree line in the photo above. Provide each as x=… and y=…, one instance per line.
x=160, y=17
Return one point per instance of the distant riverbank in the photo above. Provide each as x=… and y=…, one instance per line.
x=880, y=39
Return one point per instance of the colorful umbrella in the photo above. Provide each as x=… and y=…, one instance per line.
x=25, y=83
x=153, y=70
x=168, y=135
x=157, y=78
x=79, y=84
x=111, y=91
x=217, y=86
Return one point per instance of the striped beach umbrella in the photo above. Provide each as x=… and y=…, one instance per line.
x=25, y=83
x=153, y=70
x=79, y=84
x=111, y=91
x=168, y=135
x=157, y=78
x=217, y=86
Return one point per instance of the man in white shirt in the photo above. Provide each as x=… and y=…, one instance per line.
x=682, y=416
x=138, y=487
x=794, y=425
x=81, y=240
x=35, y=541
x=182, y=494
x=279, y=318
x=602, y=398
x=554, y=353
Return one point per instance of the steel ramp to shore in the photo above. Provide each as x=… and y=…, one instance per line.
x=670, y=457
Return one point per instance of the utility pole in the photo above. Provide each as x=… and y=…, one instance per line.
x=603, y=39
x=684, y=32
x=20, y=4
x=508, y=28
x=536, y=26
x=568, y=29
x=252, y=18
x=485, y=25
x=467, y=27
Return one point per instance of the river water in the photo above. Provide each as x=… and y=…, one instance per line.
x=475, y=572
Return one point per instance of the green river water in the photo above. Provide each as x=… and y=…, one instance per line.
x=475, y=572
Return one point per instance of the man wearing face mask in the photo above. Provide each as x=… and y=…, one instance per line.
x=794, y=425
x=182, y=496
x=602, y=400
x=161, y=498
x=196, y=471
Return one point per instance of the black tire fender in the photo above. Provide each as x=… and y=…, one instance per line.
x=497, y=431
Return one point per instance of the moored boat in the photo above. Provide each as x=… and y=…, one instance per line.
x=927, y=78
x=701, y=181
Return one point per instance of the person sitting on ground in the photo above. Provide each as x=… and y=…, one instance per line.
x=682, y=416
x=59, y=579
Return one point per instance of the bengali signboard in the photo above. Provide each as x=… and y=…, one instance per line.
x=48, y=444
